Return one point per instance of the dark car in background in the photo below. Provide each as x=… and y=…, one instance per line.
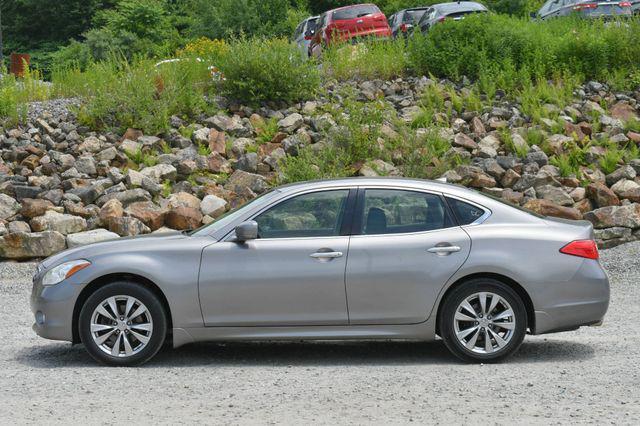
x=304, y=33
x=349, y=23
x=444, y=11
x=403, y=22
x=584, y=8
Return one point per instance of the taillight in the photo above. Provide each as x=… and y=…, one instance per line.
x=403, y=28
x=624, y=4
x=581, y=248
x=585, y=6
x=442, y=19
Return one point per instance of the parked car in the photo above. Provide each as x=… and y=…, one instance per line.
x=444, y=11
x=403, y=22
x=635, y=7
x=304, y=33
x=411, y=259
x=349, y=23
x=584, y=8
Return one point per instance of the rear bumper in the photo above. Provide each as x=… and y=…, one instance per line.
x=581, y=301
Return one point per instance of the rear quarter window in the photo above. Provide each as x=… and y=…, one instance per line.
x=355, y=12
x=465, y=213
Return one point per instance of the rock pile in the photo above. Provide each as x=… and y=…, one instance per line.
x=63, y=185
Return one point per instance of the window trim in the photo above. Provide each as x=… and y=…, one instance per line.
x=358, y=225
x=345, y=228
x=487, y=212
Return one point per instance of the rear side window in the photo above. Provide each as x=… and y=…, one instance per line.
x=390, y=211
x=465, y=213
x=355, y=12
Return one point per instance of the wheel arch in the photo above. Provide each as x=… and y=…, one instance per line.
x=514, y=285
x=100, y=282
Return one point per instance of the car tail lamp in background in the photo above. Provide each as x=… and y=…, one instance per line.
x=403, y=28
x=581, y=248
x=624, y=4
x=442, y=19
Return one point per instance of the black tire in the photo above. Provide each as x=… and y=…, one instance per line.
x=146, y=297
x=458, y=295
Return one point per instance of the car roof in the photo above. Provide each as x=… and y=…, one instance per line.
x=463, y=5
x=395, y=182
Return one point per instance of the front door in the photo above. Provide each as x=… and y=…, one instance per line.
x=292, y=275
x=407, y=249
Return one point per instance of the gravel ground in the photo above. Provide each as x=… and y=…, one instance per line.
x=587, y=376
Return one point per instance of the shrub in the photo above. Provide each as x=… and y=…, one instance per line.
x=260, y=70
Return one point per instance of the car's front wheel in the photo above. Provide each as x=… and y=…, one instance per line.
x=122, y=324
x=483, y=320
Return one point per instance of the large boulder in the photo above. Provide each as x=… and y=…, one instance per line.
x=24, y=245
x=148, y=213
x=59, y=222
x=34, y=207
x=90, y=237
x=128, y=226
x=291, y=123
x=8, y=207
x=555, y=195
x=548, y=208
x=183, y=218
x=601, y=195
x=240, y=180
x=160, y=172
x=607, y=217
x=213, y=206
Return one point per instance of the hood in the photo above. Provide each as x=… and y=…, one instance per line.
x=104, y=247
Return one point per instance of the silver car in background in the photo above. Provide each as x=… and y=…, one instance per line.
x=360, y=258
x=304, y=33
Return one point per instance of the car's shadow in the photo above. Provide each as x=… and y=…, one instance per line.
x=303, y=354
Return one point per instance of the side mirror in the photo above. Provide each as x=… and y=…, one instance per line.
x=247, y=231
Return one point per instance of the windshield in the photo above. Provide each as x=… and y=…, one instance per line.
x=354, y=12
x=234, y=214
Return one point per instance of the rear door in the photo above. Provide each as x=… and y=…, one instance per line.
x=406, y=248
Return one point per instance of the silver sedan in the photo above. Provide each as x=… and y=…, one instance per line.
x=341, y=259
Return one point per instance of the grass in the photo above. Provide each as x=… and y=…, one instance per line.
x=611, y=159
x=376, y=58
x=119, y=94
x=15, y=93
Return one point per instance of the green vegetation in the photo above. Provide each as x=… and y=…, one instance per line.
x=261, y=70
x=119, y=94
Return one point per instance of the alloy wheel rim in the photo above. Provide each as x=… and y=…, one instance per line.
x=484, y=323
x=121, y=326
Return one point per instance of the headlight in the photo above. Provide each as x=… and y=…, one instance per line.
x=63, y=271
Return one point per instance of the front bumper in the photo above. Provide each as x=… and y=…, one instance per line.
x=581, y=301
x=52, y=308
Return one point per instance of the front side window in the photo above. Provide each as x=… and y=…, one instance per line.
x=316, y=214
x=390, y=211
x=465, y=213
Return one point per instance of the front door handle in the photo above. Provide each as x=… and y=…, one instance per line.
x=444, y=250
x=326, y=255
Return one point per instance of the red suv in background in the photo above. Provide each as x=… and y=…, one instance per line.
x=348, y=23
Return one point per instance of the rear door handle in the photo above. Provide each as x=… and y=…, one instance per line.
x=444, y=250
x=326, y=255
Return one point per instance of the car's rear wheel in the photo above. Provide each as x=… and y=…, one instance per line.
x=122, y=324
x=483, y=320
